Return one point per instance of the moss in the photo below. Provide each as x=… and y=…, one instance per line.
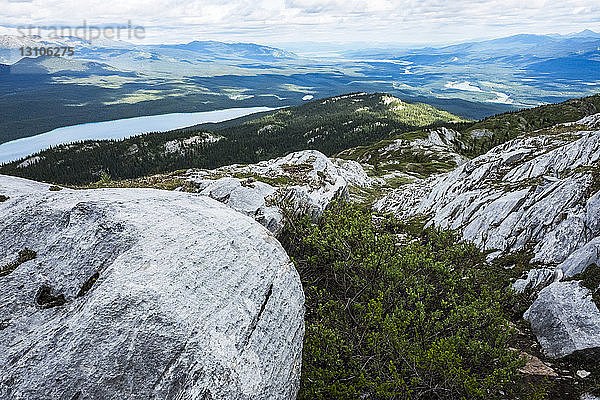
x=397, y=181
x=273, y=181
x=45, y=298
x=87, y=285
x=3, y=198
x=297, y=168
x=164, y=182
x=26, y=255
x=55, y=188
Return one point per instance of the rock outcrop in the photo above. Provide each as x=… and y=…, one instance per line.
x=412, y=155
x=140, y=293
x=536, y=194
x=565, y=319
x=307, y=180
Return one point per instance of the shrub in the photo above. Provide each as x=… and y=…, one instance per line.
x=395, y=311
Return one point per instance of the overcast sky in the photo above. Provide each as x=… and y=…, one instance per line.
x=280, y=21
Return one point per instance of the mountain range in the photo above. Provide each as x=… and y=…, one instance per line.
x=107, y=80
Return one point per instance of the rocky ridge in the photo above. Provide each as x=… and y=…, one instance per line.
x=537, y=194
x=307, y=180
x=412, y=155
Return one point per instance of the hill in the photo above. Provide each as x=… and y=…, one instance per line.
x=329, y=125
x=425, y=152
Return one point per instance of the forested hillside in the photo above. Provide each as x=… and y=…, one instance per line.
x=361, y=126
x=328, y=125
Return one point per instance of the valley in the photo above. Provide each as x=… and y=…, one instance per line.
x=116, y=130
x=113, y=79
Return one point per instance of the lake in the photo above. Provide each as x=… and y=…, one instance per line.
x=116, y=129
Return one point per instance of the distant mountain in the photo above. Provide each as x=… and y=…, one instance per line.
x=10, y=45
x=59, y=65
x=108, y=79
x=537, y=46
x=246, y=50
x=585, y=34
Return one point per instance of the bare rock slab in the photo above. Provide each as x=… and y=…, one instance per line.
x=143, y=294
x=565, y=319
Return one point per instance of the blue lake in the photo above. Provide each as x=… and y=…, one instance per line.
x=116, y=129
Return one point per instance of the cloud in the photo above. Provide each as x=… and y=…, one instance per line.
x=272, y=21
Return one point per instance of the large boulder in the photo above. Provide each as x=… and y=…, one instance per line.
x=565, y=319
x=141, y=293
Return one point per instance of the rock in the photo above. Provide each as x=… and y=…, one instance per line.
x=440, y=148
x=588, y=396
x=591, y=122
x=535, y=278
x=504, y=200
x=582, y=373
x=535, y=366
x=565, y=319
x=141, y=293
x=582, y=258
x=307, y=180
x=255, y=199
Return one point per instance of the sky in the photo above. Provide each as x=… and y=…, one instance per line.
x=398, y=22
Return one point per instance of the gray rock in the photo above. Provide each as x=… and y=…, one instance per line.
x=250, y=198
x=533, y=192
x=582, y=258
x=306, y=180
x=587, y=396
x=565, y=319
x=192, y=300
x=536, y=278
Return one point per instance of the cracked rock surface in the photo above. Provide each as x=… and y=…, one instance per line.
x=307, y=180
x=143, y=294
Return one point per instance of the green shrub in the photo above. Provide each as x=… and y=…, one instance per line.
x=395, y=311
x=590, y=278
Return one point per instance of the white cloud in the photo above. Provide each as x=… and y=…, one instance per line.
x=272, y=21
